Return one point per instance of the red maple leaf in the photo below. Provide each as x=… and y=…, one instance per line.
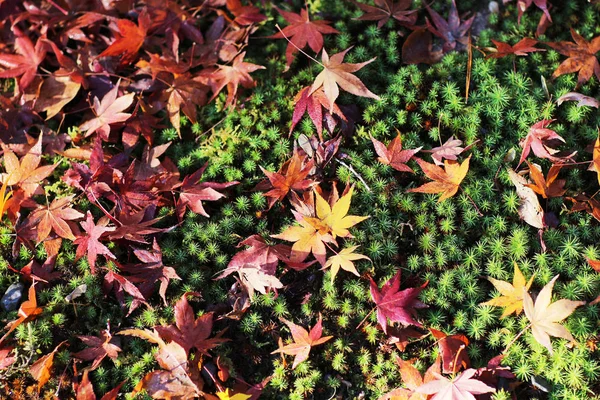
x=260, y=253
x=192, y=193
x=539, y=139
x=231, y=76
x=393, y=155
x=395, y=304
x=25, y=63
x=303, y=341
x=301, y=32
x=451, y=30
x=582, y=57
x=521, y=48
x=190, y=332
x=453, y=349
x=313, y=103
x=99, y=347
x=386, y=9
x=244, y=15
x=121, y=285
x=54, y=217
x=90, y=243
x=129, y=39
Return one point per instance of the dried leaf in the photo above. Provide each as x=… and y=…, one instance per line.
x=511, y=298
x=445, y=181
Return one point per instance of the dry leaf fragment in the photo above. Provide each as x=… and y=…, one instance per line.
x=40, y=370
x=582, y=57
x=521, y=48
x=445, y=181
x=336, y=72
x=581, y=99
x=545, y=316
x=530, y=209
x=511, y=294
x=549, y=186
x=393, y=155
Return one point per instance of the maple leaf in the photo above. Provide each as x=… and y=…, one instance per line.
x=418, y=48
x=303, y=341
x=539, y=139
x=395, y=304
x=449, y=151
x=129, y=39
x=343, y=260
x=446, y=181
x=400, y=336
x=40, y=370
x=99, y=347
x=258, y=253
x=393, y=155
x=56, y=92
x=25, y=63
x=190, y=332
x=232, y=76
x=26, y=173
x=292, y=176
x=302, y=32
x=309, y=238
x=530, y=209
x=581, y=100
x=582, y=57
x=545, y=20
x=334, y=217
x=27, y=311
x=54, y=217
x=594, y=166
x=108, y=111
x=193, y=192
x=4, y=197
x=312, y=103
x=252, y=277
x=511, y=294
x=521, y=48
x=336, y=72
x=461, y=387
x=546, y=187
x=383, y=10
x=227, y=396
x=451, y=30
x=412, y=379
x=244, y=15
x=121, y=285
x=90, y=243
x=453, y=351
x=545, y=316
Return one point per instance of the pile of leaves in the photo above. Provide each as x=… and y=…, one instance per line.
x=171, y=234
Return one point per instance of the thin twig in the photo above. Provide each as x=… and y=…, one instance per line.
x=354, y=173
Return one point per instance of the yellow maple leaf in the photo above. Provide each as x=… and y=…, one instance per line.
x=445, y=181
x=335, y=218
x=343, y=260
x=238, y=396
x=512, y=295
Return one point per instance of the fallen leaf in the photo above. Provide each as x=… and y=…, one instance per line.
x=446, y=181
x=56, y=92
x=27, y=311
x=90, y=243
x=85, y=390
x=395, y=304
x=312, y=103
x=129, y=39
x=303, y=341
x=335, y=217
x=530, y=209
x=383, y=10
x=581, y=57
x=54, y=217
x=301, y=32
x=336, y=72
x=252, y=278
x=522, y=48
x=41, y=369
x=452, y=30
x=581, y=99
x=343, y=260
x=546, y=187
x=99, y=347
x=393, y=155
x=453, y=349
x=511, y=298
x=539, y=139
x=108, y=111
x=412, y=379
x=25, y=63
x=227, y=396
x=461, y=387
x=232, y=76
x=545, y=316
x=449, y=151
x=418, y=48
x=292, y=176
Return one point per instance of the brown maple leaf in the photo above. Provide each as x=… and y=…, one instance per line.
x=232, y=76
x=336, y=72
x=383, y=10
x=99, y=347
x=291, y=176
x=582, y=57
x=302, y=32
x=445, y=181
x=453, y=350
x=26, y=174
x=90, y=243
x=549, y=186
x=41, y=369
x=521, y=48
x=303, y=341
x=129, y=39
x=54, y=217
x=393, y=155
x=452, y=30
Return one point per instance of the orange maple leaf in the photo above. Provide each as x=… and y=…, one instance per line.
x=303, y=341
x=582, y=57
x=445, y=181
